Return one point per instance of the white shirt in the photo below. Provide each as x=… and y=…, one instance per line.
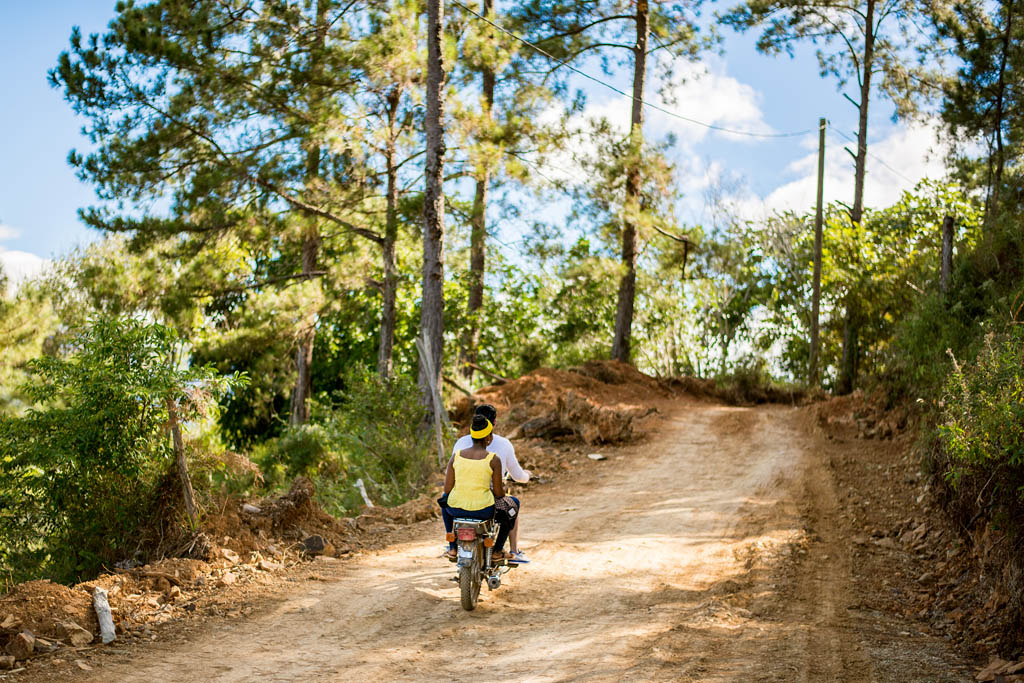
x=501, y=447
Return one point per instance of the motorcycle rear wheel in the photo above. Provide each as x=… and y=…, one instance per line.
x=469, y=585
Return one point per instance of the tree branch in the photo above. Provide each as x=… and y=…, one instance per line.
x=576, y=30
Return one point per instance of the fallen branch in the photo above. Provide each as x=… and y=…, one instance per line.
x=458, y=386
x=492, y=375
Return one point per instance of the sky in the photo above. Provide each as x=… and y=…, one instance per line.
x=740, y=89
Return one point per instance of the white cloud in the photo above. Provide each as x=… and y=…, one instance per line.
x=704, y=92
x=701, y=91
x=895, y=164
x=19, y=266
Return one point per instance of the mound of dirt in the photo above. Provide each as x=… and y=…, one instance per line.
x=597, y=402
x=861, y=416
x=41, y=606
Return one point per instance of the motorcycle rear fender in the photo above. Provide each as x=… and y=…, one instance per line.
x=465, y=554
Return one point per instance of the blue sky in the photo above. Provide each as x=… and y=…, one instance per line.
x=39, y=194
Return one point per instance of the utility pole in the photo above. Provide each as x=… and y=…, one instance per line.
x=818, y=217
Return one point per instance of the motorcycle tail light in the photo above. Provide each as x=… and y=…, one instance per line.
x=489, y=542
x=466, y=534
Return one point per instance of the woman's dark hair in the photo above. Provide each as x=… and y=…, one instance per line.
x=480, y=422
x=488, y=411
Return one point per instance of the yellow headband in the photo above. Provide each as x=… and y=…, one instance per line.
x=481, y=433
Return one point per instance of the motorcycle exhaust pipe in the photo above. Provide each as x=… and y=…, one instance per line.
x=493, y=582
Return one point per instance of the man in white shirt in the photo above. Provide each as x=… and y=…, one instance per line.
x=510, y=467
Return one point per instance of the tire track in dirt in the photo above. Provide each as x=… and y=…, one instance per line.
x=682, y=558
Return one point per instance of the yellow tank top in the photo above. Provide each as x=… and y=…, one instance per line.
x=472, y=490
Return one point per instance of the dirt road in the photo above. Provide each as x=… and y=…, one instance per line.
x=707, y=553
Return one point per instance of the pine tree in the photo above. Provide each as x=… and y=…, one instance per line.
x=982, y=102
x=227, y=113
x=497, y=121
x=571, y=30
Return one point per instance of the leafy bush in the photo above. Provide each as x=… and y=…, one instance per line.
x=750, y=382
x=371, y=430
x=79, y=471
x=983, y=428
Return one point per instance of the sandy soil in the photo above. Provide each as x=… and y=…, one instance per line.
x=711, y=552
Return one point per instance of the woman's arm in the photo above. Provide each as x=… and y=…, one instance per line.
x=449, y=476
x=496, y=484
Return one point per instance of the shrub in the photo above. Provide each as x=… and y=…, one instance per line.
x=371, y=430
x=750, y=382
x=983, y=422
x=79, y=471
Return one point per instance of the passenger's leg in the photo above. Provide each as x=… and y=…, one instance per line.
x=513, y=536
x=506, y=522
x=446, y=517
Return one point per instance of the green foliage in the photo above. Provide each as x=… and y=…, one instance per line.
x=876, y=274
x=78, y=471
x=983, y=420
x=371, y=431
x=27, y=319
x=920, y=362
x=749, y=381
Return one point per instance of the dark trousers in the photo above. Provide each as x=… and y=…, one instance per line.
x=506, y=519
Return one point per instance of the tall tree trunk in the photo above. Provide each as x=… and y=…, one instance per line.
x=306, y=334
x=860, y=166
x=389, y=287
x=432, y=312
x=627, y=286
x=1000, y=161
x=478, y=231
x=475, y=304
x=848, y=369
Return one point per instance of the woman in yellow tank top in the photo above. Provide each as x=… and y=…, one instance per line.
x=473, y=480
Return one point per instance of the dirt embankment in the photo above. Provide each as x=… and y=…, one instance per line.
x=908, y=554
x=243, y=545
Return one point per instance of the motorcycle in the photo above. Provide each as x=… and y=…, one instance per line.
x=474, y=542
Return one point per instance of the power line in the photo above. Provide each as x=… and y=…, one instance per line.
x=611, y=87
x=874, y=156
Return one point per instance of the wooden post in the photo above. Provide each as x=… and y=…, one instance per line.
x=101, y=604
x=818, y=219
x=947, y=252
x=179, y=455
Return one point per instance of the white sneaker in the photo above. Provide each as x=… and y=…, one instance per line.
x=519, y=557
